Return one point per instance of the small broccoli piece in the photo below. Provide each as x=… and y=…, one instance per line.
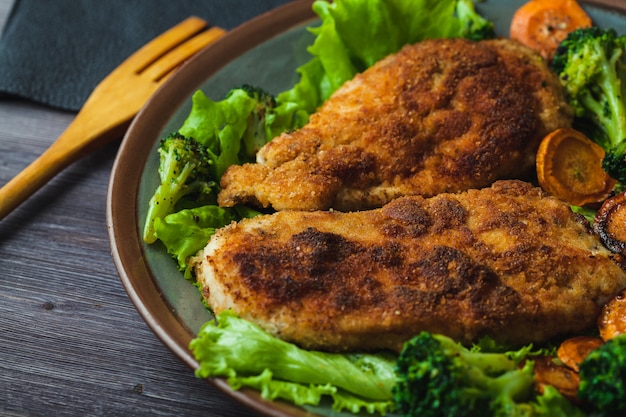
x=551, y=403
x=475, y=26
x=183, y=170
x=257, y=132
x=438, y=377
x=614, y=163
x=603, y=378
x=591, y=65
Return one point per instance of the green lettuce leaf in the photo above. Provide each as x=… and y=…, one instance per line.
x=187, y=231
x=247, y=356
x=219, y=126
x=355, y=34
x=587, y=212
x=222, y=125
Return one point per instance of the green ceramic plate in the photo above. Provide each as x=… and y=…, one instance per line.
x=264, y=52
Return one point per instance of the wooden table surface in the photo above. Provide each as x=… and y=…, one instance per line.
x=71, y=341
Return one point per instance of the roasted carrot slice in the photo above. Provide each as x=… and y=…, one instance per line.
x=549, y=372
x=612, y=320
x=574, y=350
x=543, y=24
x=569, y=166
x=610, y=223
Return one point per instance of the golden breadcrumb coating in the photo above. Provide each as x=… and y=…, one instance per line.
x=507, y=261
x=443, y=115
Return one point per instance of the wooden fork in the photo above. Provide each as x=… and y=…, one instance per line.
x=111, y=106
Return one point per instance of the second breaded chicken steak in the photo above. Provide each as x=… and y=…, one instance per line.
x=507, y=261
x=443, y=115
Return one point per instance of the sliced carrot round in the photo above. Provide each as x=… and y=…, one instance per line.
x=612, y=320
x=543, y=24
x=569, y=166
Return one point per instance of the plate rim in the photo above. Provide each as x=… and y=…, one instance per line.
x=617, y=5
x=125, y=181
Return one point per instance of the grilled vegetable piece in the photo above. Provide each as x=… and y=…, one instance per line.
x=550, y=373
x=612, y=320
x=609, y=223
x=574, y=350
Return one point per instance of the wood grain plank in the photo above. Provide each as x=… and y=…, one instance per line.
x=71, y=342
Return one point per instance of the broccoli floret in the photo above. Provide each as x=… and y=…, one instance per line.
x=591, y=65
x=183, y=170
x=257, y=132
x=603, y=378
x=439, y=377
x=475, y=26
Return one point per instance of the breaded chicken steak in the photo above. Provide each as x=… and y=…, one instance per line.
x=443, y=115
x=507, y=261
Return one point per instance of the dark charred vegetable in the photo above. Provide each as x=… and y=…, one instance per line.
x=610, y=223
x=550, y=373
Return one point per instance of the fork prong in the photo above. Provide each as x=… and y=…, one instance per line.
x=162, y=67
x=163, y=43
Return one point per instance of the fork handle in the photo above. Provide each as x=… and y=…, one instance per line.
x=73, y=144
